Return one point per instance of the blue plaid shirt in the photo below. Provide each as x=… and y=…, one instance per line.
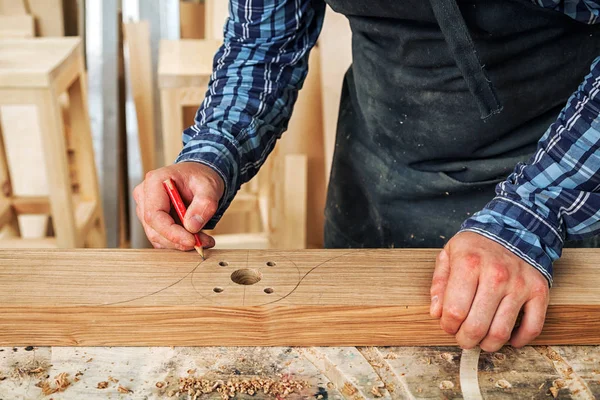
x=263, y=63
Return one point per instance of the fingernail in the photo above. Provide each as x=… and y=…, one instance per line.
x=195, y=223
x=434, y=301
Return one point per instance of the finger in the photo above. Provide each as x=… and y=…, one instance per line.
x=156, y=245
x=460, y=291
x=207, y=240
x=200, y=211
x=156, y=215
x=532, y=322
x=491, y=290
x=502, y=324
x=439, y=282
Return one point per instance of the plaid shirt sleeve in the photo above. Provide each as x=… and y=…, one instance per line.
x=256, y=76
x=555, y=196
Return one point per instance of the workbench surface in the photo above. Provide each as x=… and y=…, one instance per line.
x=333, y=373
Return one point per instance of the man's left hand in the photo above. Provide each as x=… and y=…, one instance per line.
x=478, y=290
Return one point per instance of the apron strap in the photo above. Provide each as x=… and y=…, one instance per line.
x=455, y=30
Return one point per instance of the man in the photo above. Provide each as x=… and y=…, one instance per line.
x=443, y=99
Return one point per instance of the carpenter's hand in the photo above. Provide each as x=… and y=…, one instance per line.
x=199, y=186
x=478, y=290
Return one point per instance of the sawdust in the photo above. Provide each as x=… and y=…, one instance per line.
x=34, y=369
x=194, y=387
x=375, y=391
x=390, y=356
x=446, y=385
x=503, y=384
x=124, y=390
x=60, y=384
x=349, y=389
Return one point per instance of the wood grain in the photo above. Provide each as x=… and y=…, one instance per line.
x=317, y=297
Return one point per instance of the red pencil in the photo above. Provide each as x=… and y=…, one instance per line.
x=180, y=208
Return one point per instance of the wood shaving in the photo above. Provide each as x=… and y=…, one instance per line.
x=559, y=384
x=391, y=356
x=195, y=387
x=89, y=360
x=113, y=380
x=445, y=385
x=102, y=385
x=349, y=389
x=503, y=384
x=35, y=369
x=160, y=385
x=499, y=356
x=551, y=354
x=375, y=391
x=191, y=371
x=448, y=357
x=61, y=383
x=554, y=391
x=125, y=390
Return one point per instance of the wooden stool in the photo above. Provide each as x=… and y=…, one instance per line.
x=37, y=72
x=270, y=210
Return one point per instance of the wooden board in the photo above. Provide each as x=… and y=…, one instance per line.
x=49, y=17
x=306, y=297
x=191, y=20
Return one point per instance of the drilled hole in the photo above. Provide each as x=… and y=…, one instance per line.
x=218, y=289
x=271, y=263
x=246, y=276
x=269, y=290
x=223, y=263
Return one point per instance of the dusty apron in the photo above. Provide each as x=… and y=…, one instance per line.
x=425, y=132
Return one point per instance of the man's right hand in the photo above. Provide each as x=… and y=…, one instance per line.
x=200, y=187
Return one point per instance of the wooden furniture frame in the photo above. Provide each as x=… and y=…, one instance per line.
x=253, y=298
x=36, y=72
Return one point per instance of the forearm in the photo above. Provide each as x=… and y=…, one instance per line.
x=554, y=196
x=256, y=77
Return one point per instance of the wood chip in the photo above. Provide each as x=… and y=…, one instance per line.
x=448, y=357
x=499, y=356
x=102, y=385
x=125, y=390
x=375, y=391
x=554, y=391
x=61, y=383
x=445, y=385
x=113, y=380
x=503, y=384
x=160, y=385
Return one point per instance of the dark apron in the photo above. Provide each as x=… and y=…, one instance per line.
x=424, y=132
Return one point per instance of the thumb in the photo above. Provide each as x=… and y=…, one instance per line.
x=200, y=211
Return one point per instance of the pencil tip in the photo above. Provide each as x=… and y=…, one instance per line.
x=200, y=251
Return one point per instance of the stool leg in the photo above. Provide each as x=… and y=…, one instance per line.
x=57, y=168
x=84, y=158
x=172, y=121
x=9, y=225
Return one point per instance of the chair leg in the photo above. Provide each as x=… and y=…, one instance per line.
x=57, y=168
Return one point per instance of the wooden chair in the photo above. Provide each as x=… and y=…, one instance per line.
x=37, y=72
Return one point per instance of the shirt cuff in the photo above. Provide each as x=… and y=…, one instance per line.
x=215, y=153
x=521, y=231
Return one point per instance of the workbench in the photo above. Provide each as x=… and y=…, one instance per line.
x=102, y=323
x=335, y=373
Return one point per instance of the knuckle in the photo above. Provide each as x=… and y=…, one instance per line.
x=150, y=175
x=500, y=273
x=148, y=217
x=499, y=335
x=436, y=283
x=446, y=327
x=540, y=288
x=472, y=262
x=519, y=284
x=475, y=331
x=533, y=332
x=455, y=313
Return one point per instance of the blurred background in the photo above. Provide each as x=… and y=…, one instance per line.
x=119, y=81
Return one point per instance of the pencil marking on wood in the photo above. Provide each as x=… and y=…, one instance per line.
x=157, y=291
